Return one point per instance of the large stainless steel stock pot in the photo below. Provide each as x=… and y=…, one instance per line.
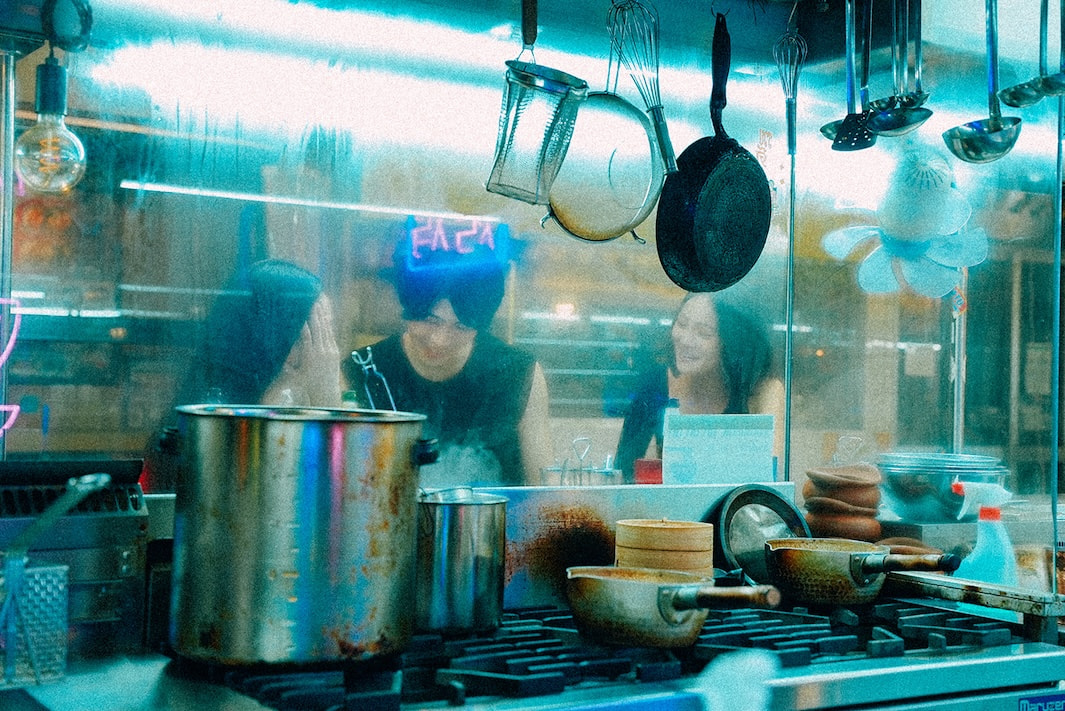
x=294, y=533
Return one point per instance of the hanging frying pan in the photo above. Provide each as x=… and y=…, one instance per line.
x=714, y=213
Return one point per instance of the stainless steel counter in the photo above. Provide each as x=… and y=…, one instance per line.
x=141, y=683
x=153, y=683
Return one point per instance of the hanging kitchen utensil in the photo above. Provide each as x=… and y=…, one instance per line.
x=831, y=129
x=714, y=212
x=1034, y=90
x=654, y=608
x=854, y=134
x=539, y=110
x=1054, y=84
x=790, y=52
x=988, y=139
x=917, y=97
x=838, y=571
x=889, y=102
x=614, y=171
x=634, y=37
x=908, y=114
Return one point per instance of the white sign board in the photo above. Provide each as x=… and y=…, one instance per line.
x=717, y=449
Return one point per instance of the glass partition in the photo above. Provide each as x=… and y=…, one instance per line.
x=925, y=287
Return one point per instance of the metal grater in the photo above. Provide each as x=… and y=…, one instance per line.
x=40, y=622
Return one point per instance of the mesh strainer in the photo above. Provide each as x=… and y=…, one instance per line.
x=535, y=124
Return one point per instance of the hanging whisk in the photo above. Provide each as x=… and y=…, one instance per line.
x=634, y=38
x=790, y=53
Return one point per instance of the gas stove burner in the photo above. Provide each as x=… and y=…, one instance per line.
x=537, y=659
x=891, y=629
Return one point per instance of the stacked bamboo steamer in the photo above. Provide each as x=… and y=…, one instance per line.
x=663, y=544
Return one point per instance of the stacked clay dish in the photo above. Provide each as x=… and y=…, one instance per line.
x=843, y=501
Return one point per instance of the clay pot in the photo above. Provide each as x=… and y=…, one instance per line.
x=845, y=476
x=837, y=525
x=866, y=496
x=827, y=505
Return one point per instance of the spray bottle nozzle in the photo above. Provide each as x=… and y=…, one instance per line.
x=977, y=495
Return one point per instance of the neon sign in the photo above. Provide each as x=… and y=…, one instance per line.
x=440, y=242
x=11, y=410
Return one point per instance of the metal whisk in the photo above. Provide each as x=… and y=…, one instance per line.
x=634, y=38
x=790, y=53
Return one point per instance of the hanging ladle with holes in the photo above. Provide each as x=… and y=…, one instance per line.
x=988, y=139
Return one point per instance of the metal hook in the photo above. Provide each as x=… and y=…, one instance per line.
x=369, y=369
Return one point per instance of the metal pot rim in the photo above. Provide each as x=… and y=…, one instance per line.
x=463, y=495
x=300, y=414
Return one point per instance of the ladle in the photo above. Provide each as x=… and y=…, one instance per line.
x=889, y=102
x=1054, y=84
x=1033, y=91
x=988, y=139
x=918, y=96
x=908, y=115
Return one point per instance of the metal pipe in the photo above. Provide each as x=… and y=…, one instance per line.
x=961, y=312
x=1014, y=436
x=789, y=321
x=1054, y=483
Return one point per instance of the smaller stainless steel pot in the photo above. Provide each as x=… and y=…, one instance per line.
x=460, y=561
x=838, y=571
x=651, y=608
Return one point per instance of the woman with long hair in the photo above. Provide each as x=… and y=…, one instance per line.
x=719, y=362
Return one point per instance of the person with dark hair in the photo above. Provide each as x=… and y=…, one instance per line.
x=485, y=401
x=268, y=339
x=718, y=362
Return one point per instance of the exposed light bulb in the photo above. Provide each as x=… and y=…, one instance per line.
x=49, y=158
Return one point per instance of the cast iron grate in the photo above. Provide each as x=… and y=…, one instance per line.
x=888, y=629
x=535, y=652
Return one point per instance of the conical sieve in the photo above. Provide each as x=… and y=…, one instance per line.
x=539, y=109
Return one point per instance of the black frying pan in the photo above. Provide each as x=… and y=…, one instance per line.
x=714, y=212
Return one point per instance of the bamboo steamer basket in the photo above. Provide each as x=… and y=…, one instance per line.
x=663, y=544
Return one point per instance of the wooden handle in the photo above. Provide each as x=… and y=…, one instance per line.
x=893, y=562
x=710, y=596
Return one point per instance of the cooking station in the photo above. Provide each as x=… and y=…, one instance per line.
x=895, y=654
x=832, y=659
x=985, y=648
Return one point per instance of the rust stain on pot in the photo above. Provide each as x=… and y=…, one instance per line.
x=570, y=535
